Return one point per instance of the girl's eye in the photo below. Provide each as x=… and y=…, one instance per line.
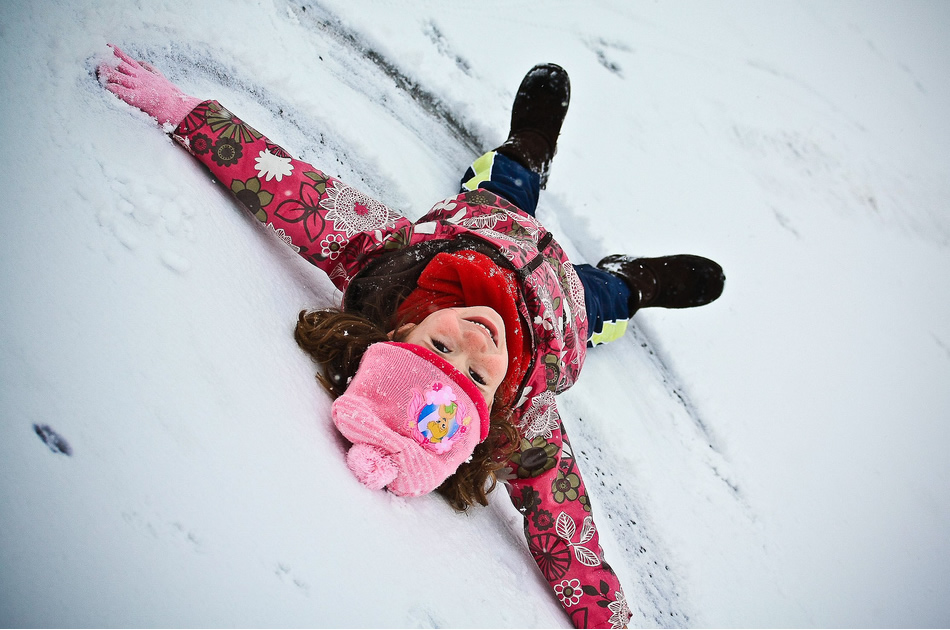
x=441, y=347
x=477, y=377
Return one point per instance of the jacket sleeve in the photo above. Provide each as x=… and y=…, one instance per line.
x=332, y=225
x=547, y=488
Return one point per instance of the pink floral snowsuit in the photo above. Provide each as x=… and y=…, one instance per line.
x=340, y=230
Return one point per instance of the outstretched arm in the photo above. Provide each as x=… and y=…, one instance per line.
x=548, y=490
x=327, y=222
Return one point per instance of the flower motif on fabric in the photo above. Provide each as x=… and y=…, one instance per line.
x=283, y=236
x=576, y=292
x=500, y=236
x=398, y=239
x=543, y=520
x=195, y=118
x=569, y=592
x=552, y=370
x=275, y=149
x=529, y=500
x=532, y=228
x=227, y=125
x=485, y=221
x=566, y=529
x=620, y=611
x=306, y=207
x=566, y=487
x=249, y=193
x=480, y=198
x=552, y=555
x=534, y=458
x=437, y=418
x=270, y=166
x=226, y=152
x=332, y=245
x=549, y=318
x=200, y=144
x=352, y=211
x=541, y=419
x=444, y=206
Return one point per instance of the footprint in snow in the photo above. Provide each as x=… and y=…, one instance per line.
x=52, y=439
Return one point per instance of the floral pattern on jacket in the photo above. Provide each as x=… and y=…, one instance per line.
x=340, y=230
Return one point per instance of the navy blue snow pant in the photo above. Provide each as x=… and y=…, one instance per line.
x=606, y=296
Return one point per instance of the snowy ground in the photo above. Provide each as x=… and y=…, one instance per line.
x=775, y=459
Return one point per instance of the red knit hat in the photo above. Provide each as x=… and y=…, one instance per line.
x=412, y=417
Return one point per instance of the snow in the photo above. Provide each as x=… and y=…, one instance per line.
x=774, y=459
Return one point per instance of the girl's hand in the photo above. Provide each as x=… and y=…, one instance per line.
x=143, y=86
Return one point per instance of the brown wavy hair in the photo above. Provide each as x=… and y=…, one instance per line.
x=336, y=340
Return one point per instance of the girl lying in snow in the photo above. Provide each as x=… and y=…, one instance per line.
x=457, y=330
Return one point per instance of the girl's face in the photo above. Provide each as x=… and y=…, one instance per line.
x=470, y=338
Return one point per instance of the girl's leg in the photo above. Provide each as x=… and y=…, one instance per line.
x=607, y=298
x=619, y=286
x=505, y=177
x=517, y=169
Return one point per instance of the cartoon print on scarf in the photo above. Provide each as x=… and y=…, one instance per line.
x=437, y=418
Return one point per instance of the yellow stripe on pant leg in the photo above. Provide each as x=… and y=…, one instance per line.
x=482, y=167
x=611, y=332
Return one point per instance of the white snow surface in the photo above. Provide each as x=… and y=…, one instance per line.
x=778, y=458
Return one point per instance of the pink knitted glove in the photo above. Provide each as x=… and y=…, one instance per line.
x=143, y=86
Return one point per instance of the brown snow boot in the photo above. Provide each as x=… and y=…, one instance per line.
x=536, y=118
x=681, y=281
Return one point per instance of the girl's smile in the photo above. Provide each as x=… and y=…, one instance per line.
x=471, y=338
